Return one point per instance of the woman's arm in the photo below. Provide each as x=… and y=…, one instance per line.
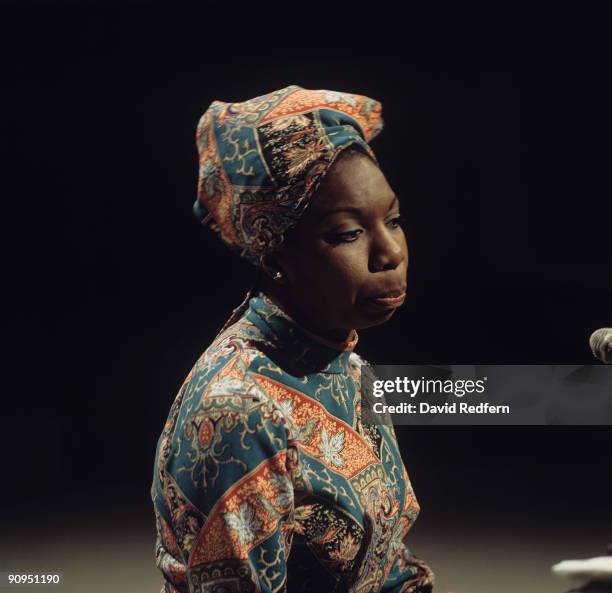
x=232, y=464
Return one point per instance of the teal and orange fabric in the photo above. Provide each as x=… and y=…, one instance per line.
x=260, y=161
x=264, y=461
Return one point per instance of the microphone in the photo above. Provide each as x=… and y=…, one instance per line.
x=601, y=344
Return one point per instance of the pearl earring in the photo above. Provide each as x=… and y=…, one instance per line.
x=277, y=276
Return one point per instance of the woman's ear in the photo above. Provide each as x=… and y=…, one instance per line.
x=273, y=269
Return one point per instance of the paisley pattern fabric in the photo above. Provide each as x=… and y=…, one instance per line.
x=266, y=479
x=262, y=160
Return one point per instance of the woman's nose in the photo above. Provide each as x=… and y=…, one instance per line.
x=388, y=251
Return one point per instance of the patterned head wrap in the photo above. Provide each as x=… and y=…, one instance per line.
x=262, y=160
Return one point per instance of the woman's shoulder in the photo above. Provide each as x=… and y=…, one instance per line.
x=225, y=377
x=235, y=346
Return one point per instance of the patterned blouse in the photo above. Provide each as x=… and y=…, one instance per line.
x=266, y=480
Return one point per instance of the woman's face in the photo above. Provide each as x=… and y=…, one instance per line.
x=345, y=263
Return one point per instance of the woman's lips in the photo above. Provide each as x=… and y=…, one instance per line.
x=387, y=301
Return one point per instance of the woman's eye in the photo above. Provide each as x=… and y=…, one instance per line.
x=397, y=222
x=347, y=237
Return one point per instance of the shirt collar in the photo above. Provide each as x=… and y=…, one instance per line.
x=294, y=348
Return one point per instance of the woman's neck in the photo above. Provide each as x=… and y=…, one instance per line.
x=339, y=338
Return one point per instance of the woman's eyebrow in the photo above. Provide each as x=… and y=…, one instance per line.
x=393, y=202
x=342, y=209
x=353, y=209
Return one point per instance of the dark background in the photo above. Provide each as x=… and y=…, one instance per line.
x=499, y=153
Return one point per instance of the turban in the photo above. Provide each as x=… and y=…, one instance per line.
x=262, y=160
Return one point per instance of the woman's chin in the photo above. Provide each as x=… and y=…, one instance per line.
x=372, y=318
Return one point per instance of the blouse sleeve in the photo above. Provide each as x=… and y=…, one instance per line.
x=408, y=574
x=234, y=466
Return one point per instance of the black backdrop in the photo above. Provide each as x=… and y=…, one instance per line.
x=500, y=157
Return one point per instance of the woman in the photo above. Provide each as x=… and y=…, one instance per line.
x=266, y=479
